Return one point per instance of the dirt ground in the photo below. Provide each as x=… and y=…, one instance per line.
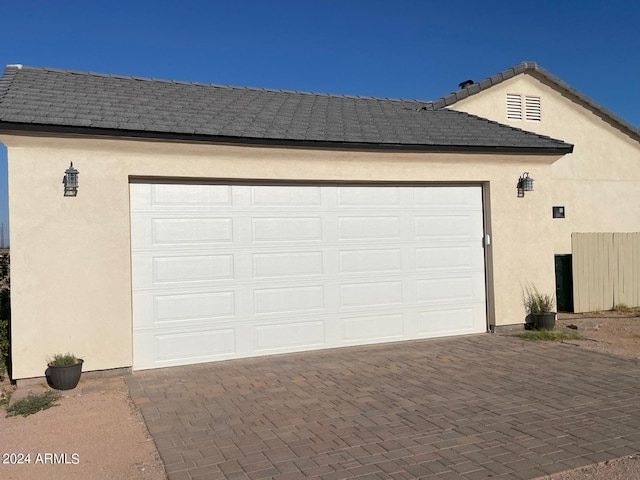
x=95, y=432
x=608, y=332
x=617, y=334
x=103, y=436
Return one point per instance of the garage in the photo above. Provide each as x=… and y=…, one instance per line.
x=202, y=222
x=223, y=271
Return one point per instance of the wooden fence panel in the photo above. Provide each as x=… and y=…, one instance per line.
x=606, y=270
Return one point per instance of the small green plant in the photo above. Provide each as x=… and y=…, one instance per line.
x=551, y=335
x=5, y=397
x=622, y=308
x=33, y=404
x=3, y=367
x=536, y=302
x=4, y=336
x=625, y=309
x=63, y=360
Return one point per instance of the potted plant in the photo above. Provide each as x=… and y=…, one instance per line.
x=64, y=370
x=540, y=307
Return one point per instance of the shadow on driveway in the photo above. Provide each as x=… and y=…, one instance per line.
x=484, y=406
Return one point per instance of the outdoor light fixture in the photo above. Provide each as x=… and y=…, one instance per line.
x=525, y=184
x=70, y=181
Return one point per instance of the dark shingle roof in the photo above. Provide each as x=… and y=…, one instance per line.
x=45, y=99
x=533, y=67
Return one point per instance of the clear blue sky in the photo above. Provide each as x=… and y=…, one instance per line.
x=385, y=48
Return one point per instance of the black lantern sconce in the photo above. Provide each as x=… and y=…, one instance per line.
x=70, y=181
x=525, y=184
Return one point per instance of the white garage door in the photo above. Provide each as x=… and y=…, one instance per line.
x=231, y=271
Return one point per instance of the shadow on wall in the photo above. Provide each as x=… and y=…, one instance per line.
x=4, y=197
x=5, y=315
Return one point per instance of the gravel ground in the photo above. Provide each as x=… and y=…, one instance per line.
x=95, y=432
x=627, y=468
x=612, y=333
x=103, y=435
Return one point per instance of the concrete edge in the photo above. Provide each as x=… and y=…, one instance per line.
x=511, y=328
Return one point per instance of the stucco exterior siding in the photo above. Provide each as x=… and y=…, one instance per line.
x=71, y=267
x=599, y=183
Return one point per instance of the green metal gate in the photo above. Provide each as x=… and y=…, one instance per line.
x=564, y=283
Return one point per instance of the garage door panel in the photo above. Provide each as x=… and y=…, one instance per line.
x=288, y=264
x=195, y=345
x=448, y=198
x=446, y=258
x=290, y=336
x=373, y=328
x=169, y=195
x=454, y=226
x=460, y=289
x=163, y=232
x=191, y=268
x=287, y=300
x=295, y=229
x=370, y=261
x=155, y=350
x=176, y=231
x=299, y=198
x=369, y=198
x=242, y=270
x=368, y=228
x=446, y=321
x=171, y=308
x=187, y=309
x=140, y=199
x=150, y=270
x=369, y=294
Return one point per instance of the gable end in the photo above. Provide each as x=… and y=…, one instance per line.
x=535, y=113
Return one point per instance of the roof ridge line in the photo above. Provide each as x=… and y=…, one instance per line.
x=219, y=85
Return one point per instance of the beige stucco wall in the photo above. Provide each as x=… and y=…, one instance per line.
x=599, y=183
x=71, y=270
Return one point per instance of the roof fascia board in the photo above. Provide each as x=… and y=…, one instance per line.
x=575, y=95
x=29, y=129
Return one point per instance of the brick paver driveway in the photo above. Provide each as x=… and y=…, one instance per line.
x=484, y=406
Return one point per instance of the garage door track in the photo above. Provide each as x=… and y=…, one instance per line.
x=484, y=406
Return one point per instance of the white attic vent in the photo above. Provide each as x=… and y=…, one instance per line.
x=532, y=107
x=533, y=111
x=514, y=106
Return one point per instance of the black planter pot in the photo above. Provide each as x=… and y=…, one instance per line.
x=546, y=321
x=64, y=378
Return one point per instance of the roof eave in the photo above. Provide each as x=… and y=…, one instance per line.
x=24, y=128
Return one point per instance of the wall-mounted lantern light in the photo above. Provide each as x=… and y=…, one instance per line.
x=525, y=184
x=70, y=181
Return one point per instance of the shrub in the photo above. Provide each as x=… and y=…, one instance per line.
x=536, y=302
x=33, y=404
x=63, y=360
x=4, y=347
x=551, y=335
